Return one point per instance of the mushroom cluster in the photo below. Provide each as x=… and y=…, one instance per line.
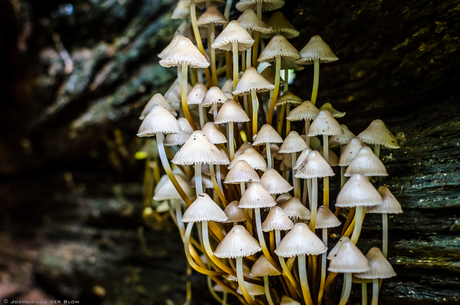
x=237, y=171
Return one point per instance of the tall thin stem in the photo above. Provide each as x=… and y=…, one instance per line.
x=303, y=279
x=364, y=294
x=235, y=65
x=314, y=203
x=199, y=43
x=385, y=234
x=346, y=288
x=375, y=291
x=314, y=92
x=260, y=235
x=198, y=180
x=358, y=224
x=323, y=268
x=295, y=181
x=231, y=142
x=239, y=273
x=255, y=112
x=271, y=111
x=269, y=155
x=267, y=290
x=183, y=94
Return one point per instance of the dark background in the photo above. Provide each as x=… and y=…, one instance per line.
x=71, y=222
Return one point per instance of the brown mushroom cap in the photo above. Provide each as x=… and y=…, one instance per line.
x=234, y=32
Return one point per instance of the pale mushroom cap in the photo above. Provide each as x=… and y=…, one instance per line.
x=325, y=124
x=267, y=134
x=181, y=10
x=256, y=196
x=234, y=213
x=295, y=209
x=350, y=151
x=262, y=267
x=213, y=96
x=326, y=219
x=277, y=220
x=281, y=26
x=305, y=111
x=204, y=209
x=269, y=74
x=242, y=148
x=159, y=120
x=342, y=139
x=389, y=204
x=237, y=243
x=214, y=135
x=182, y=137
x=198, y=150
x=170, y=45
x=251, y=22
x=274, y=182
x=267, y=5
x=358, y=191
x=252, y=289
x=314, y=167
x=227, y=87
x=231, y=112
x=285, y=300
x=273, y=149
x=278, y=45
x=336, y=248
x=378, y=134
x=293, y=143
x=205, y=180
x=173, y=95
x=288, y=98
x=211, y=16
x=168, y=191
x=197, y=94
x=335, y=113
x=366, y=163
x=157, y=99
x=283, y=198
x=300, y=240
x=241, y=172
x=316, y=49
x=234, y=32
x=349, y=259
x=301, y=158
x=253, y=158
x=380, y=267
x=252, y=80
x=184, y=52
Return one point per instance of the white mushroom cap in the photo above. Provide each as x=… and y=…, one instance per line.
x=300, y=240
x=204, y=209
x=237, y=243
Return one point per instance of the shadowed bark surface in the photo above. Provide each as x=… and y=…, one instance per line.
x=73, y=80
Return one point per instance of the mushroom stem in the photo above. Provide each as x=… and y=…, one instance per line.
x=277, y=237
x=216, y=186
x=228, y=6
x=295, y=181
x=201, y=113
x=212, y=291
x=248, y=56
x=346, y=288
x=385, y=234
x=314, y=92
x=342, y=176
x=307, y=126
x=326, y=179
x=269, y=155
x=271, y=111
x=280, y=118
x=305, y=192
x=199, y=43
x=255, y=51
x=375, y=291
x=235, y=66
x=180, y=224
x=288, y=123
x=187, y=250
x=198, y=180
x=323, y=268
x=255, y=112
x=212, y=53
x=377, y=150
x=267, y=290
x=260, y=235
x=164, y=161
x=183, y=94
x=242, y=187
x=239, y=275
x=303, y=279
x=364, y=293
x=231, y=144
x=359, y=216
x=314, y=203
x=292, y=283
